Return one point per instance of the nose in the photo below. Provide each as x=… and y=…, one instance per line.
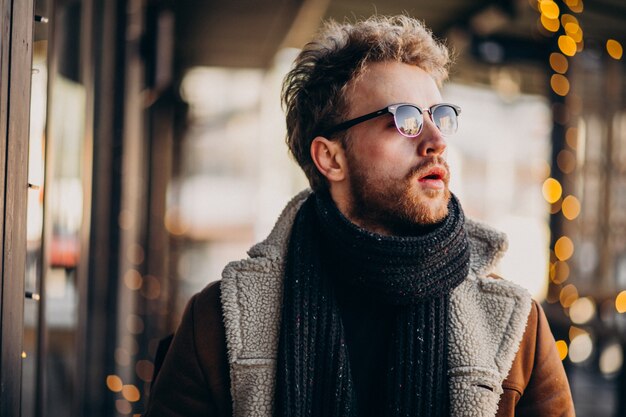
x=432, y=142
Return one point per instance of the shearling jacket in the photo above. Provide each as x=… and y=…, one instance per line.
x=222, y=361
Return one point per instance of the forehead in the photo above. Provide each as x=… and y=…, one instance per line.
x=384, y=83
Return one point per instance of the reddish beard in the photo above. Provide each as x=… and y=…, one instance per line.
x=393, y=206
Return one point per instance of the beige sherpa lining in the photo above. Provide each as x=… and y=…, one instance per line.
x=487, y=321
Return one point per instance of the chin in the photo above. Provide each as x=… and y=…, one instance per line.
x=429, y=209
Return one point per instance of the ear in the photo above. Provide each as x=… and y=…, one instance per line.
x=329, y=158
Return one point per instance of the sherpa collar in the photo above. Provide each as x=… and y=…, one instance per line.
x=487, y=321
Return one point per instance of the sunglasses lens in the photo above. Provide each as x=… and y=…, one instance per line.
x=408, y=120
x=445, y=118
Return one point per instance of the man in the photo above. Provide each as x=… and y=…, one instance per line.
x=373, y=295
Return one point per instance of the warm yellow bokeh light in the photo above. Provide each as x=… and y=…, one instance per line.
x=551, y=190
x=114, y=383
x=561, y=347
x=570, y=207
x=574, y=332
x=567, y=45
x=131, y=393
x=559, y=84
x=568, y=295
x=574, y=31
x=568, y=18
x=558, y=62
x=549, y=9
x=551, y=25
x=620, y=302
x=575, y=5
x=559, y=272
x=614, y=48
x=564, y=248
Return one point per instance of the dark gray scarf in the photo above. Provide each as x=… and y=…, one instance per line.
x=414, y=274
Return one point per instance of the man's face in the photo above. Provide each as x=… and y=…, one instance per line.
x=395, y=182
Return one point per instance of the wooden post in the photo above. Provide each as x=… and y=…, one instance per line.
x=16, y=40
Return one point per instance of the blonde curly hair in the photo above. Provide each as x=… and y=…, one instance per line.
x=313, y=92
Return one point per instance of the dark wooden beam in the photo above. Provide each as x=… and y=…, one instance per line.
x=16, y=38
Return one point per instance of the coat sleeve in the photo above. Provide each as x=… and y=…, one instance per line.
x=194, y=379
x=537, y=384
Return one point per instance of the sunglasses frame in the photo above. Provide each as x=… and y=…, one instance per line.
x=391, y=109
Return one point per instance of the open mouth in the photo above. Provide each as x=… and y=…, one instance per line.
x=434, y=174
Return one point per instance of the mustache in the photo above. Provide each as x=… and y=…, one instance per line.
x=427, y=164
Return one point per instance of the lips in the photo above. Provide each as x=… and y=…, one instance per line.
x=434, y=177
x=434, y=173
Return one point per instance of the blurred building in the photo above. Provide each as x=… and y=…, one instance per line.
x=143, y=148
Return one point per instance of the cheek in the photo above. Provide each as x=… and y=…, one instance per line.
x=391, y=156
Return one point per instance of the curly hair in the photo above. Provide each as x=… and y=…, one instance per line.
x=313, y=92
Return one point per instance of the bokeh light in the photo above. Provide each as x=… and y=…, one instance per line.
x=620, y=302
x=123, y=406
x=114, y=383
x=151, y=288
x=566, y=161
x=551, y=190
x=564, y=248
x=549, y=9
x=570, y=207
x=551, y=25
x=134, y=324
x=135, y=254
x=611, y=359
x=582, y=310
x=574, y=31
x=568, y=295
x=580, y=348
x=558, y=62
x=559, y=84
x=614, y=48
x=144, y=370
x=559, y=272
x=132, y=279
x=122, y=356
x=131, y=393
x=571, y=137
x=567, y=45
x=561, y=347
x=575, y=331
x=575, y=5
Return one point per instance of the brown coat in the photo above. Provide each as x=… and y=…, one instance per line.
x=194, y=379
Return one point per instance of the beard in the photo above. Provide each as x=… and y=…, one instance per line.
x=397, y=206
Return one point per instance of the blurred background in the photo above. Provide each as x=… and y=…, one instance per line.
x=151, y=137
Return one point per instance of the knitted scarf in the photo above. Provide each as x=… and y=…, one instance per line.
x=414, y=275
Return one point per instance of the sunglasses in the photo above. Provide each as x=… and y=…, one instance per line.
x=409, y=118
